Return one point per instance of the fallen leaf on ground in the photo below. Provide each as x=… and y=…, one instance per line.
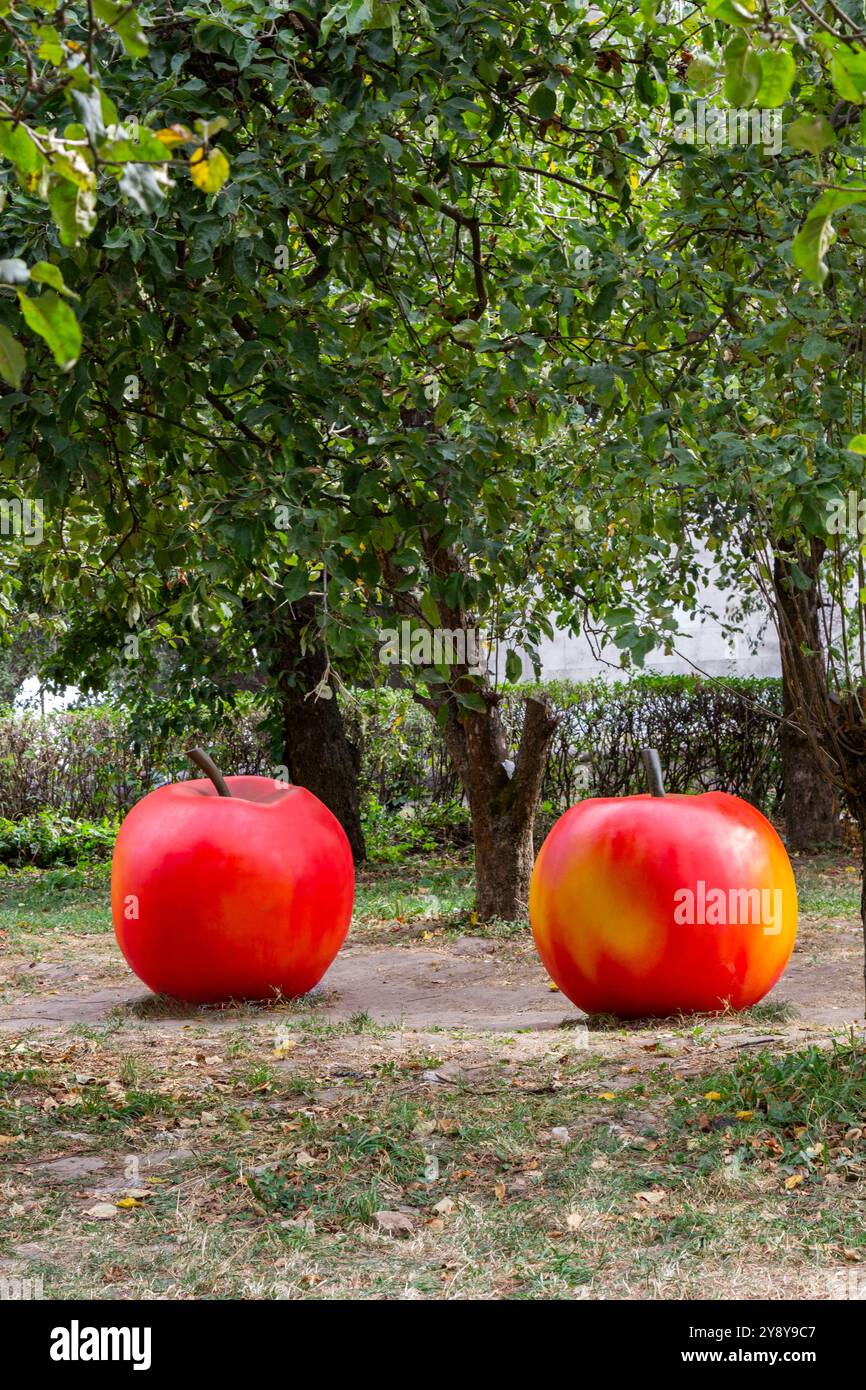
x=101, y=1211
x=394, y=1223
x=652, y=1197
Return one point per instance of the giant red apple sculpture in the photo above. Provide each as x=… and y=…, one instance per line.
x=235, y=888
x=655, y=905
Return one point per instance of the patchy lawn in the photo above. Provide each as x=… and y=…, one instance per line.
x=434, y=1122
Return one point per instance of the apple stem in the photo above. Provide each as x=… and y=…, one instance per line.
x=209, y=768
x=653, y=769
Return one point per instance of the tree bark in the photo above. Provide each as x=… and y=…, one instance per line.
x=317, y=751
x=502, y=806
x=810, y=800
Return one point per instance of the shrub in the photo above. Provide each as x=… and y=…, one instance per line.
x=48, y=838
x=415, y=828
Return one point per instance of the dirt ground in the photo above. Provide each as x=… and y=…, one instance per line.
x=476, y=984
x=435, y=1120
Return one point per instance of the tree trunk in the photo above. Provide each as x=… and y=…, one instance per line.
x=502, y=803
x=811, y=801
x=317, y=751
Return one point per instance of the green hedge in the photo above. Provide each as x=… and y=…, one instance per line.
x=711, y=734
x=89, y=764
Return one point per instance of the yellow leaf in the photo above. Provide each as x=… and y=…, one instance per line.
x=606, y=1095
x=554, y=989
x=173, y=135
x=712, y=1095
x=634, y=178
x=794, y=1180
x=745, y=1114
x=208, y=171
x=126, y=1202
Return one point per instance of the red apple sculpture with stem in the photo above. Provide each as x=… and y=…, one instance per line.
x=231, y=888
x=656, y=905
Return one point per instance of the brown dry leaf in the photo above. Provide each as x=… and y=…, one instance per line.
x=446, y=1206
x=499, y=1191
x=574, y=1220
x=394, y=1223
x=101, y=1211
x=10, y=1138
x=652, y=1197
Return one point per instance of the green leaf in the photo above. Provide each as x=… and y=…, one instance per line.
x=145, y=184
x=813, y=133
x=73, y=210
x=733, y=11
x=857, y=445
x=467, y=331
x=471, y=701
x=778, y=71
x=13, y=360
x=816, y=235
x=430, y=610
x=513, y=666
x=702, y=74
x=848, y=72
x=650, y=92
x=53, y=320
x=743, y=72
x=125, y=23
x=50, y=45
x=542, y=103
x=19, y=148
x=44, y=273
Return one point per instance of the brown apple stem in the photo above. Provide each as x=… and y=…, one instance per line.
x=653, y=769
x=209, y=768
